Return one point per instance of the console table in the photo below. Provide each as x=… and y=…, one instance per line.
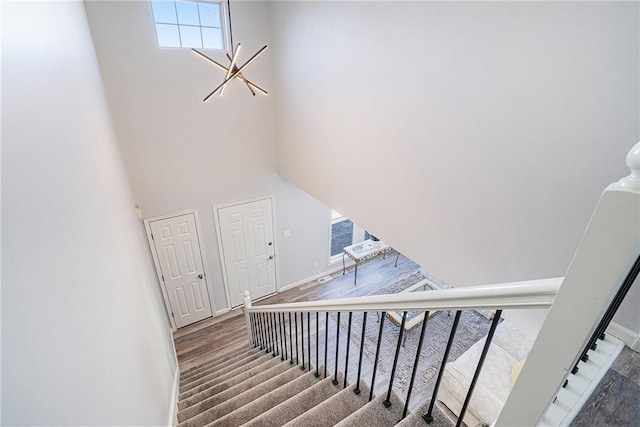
x=363, y=251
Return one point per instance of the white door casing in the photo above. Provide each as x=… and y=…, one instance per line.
x=247, y=249
x=179, y=256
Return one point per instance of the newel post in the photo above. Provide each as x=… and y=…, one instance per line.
x=247, y=318
x=609, y=247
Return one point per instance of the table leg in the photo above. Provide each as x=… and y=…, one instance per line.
x=397, y=259
x=343, y=264
x=355, y=276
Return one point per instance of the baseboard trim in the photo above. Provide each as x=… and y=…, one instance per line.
x=332, y=270
x=630, y=337
x=222, y=311
x=173, y=410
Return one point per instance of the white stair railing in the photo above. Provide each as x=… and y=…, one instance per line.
x=486, y=297
x=268, y=328
x=608, y=249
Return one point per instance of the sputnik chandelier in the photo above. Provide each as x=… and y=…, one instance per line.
x=233, y=71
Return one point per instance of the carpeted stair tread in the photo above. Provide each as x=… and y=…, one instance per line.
x=414, y=419
x=270, y=400
x=215, y=363
x=229, y=393
x=333, y=410
x=230, y=380
x=245, y=393
x=215, y=380
x=220, y=354
x=296, y=405
x=190, y=365
x=219, y=370
x=375, y=410
x=228, y=366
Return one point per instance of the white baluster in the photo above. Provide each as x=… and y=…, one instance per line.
x=247, y=305
x=630, y=182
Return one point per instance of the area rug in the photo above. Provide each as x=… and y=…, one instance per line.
x=471, y=328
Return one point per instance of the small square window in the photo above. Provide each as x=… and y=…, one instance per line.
x=190, y=36
x=190, y=24
x=187, y=13
x=212, y=38
x=168, y=35
x=209, y=15
x=164, y=12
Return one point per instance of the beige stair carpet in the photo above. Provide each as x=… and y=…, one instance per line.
x=270, y=400
x=229, y=393
x=297, y=405
x=332, y=410
x=227, y=381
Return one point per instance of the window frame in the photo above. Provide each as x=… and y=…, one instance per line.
x=357, y=235
x=224, y=25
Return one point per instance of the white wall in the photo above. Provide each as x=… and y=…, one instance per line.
x=85, y=340
x=182, y=153
x=474, y=137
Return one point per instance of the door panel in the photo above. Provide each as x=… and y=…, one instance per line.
x=178, y=248
x=246, y=232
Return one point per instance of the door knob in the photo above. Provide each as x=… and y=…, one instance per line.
x=199, y=276
x=271, y=257
x=270, y=243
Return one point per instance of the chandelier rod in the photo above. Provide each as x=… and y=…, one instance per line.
x=230, y=29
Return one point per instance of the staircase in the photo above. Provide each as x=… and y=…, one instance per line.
x=248, y=386
x=582, y=381
x=251, y=385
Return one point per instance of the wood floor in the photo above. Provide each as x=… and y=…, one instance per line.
x=195, y=343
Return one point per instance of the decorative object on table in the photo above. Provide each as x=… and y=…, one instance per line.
x=233, y=71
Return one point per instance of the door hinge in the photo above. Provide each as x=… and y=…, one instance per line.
x=152, y=238
x=163, y=278
x=172, y=315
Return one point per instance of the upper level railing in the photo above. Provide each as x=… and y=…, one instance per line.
x=280, y=328
x=599, y=269
x=609, y=247
x=485, y=297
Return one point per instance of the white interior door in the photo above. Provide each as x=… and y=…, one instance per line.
x=246, y=232
x=178, y=248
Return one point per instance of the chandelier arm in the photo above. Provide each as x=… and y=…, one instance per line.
x=250, y=85
x=235, y=73
x=213, y=61
x=253, y=85
x=231, y=66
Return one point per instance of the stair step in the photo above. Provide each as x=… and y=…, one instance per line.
x=239, y=395
x=297, y=405
x=375, y=410
x=414, y=419
x=334, y=409
x=270, y=400
x=241, y=387
x=225, y=383
x=555, y=415
x=222, y=378
x=216, y=361
x=580, y=386
x=190, y=365
x=219, y=370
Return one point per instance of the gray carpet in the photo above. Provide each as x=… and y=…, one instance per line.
x=471, y=328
